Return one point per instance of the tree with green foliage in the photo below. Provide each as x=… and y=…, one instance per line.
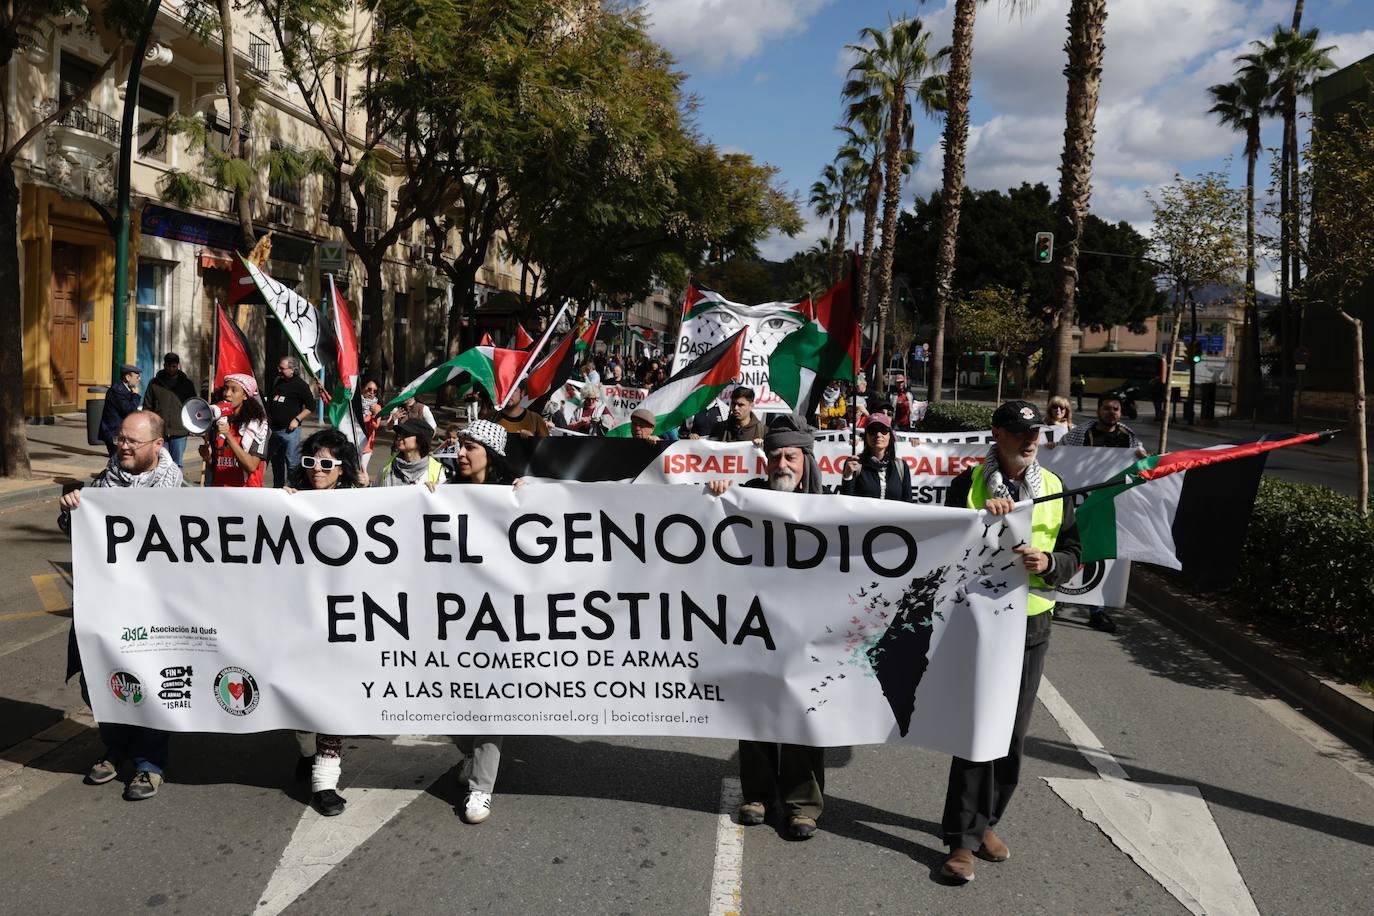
x=997, y=319
x=1339, y=251
x=959, y=94
x=1290, y=61
x=1196, y=236
x=25, y=24
x=897, y=66
x=992, y=249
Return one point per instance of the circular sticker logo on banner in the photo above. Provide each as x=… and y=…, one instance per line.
x=1093, y=574
x=236, y=691
x=127, y=688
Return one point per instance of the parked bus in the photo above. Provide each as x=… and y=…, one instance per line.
x=1112, y=371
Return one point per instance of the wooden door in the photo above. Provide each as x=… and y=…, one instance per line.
x=64, y=332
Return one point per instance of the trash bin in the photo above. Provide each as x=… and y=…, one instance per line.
x=1208, y=391
x=95, y=407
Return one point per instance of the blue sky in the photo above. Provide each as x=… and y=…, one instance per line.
x=768, y=75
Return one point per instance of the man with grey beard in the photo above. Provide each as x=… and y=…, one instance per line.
x=978, y=792
x=793, y=772
x=139, y=460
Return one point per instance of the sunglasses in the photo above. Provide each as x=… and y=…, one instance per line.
x=310, y=463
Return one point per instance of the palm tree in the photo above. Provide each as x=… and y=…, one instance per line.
x=956, y=147
x=1242, y=104
x=865, y=130
x=1291, y=60
x=1085, y=47
x=833, y=196
x=895, y=66
x=826, y=199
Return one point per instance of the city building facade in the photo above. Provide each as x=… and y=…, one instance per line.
x=181, y=253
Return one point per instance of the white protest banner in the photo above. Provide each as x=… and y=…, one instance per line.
x=622, y=400
x=712, y=321
x=933, y=467
x=581, y=609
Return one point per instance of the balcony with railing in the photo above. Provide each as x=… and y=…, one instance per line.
x=91, y=121
x=259, y=54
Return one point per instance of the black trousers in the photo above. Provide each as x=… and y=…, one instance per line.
x=793, y=772
x=978, y=793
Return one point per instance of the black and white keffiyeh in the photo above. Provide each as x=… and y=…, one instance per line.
x=164, y=474
x=997, y=482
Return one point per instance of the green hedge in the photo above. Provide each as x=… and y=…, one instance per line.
x=949, y=417
x=1308, y=572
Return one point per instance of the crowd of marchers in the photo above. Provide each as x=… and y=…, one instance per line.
x=147, y=439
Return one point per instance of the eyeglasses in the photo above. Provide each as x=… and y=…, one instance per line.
x=310, y=462
x=120, y=441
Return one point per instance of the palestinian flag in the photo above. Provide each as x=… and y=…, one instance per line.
x=494, y=368
x=1194, y=515
x=825, y=348
x=487, y=341
x=688, y=392
x=552, y=371
x=339, y=352
x=522, y=337
x=232, y=355
x=699, y=299
x=588, y=338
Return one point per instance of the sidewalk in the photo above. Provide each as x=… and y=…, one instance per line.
x=1227, y=429
x=60, y=457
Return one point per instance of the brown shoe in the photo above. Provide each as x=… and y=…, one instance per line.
x=959, y=866
x=751, y=814
x=801, y=828
x=993, y=849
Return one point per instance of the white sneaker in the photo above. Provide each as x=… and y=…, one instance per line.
x=477, y=808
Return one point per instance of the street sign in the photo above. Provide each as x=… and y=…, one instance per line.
x=609, y=314
x=333, y=256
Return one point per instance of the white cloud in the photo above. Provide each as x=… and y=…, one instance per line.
x=778, y=247
x=1350, y=46
x=717, y=33
x=1152, y=119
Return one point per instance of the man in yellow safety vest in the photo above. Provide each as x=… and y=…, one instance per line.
x=978, y=793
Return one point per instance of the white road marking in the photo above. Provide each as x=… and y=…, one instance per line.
x=1079, y=733
x=60, y=627
x=1326, y=744
x=727, y=874
x=1167, y=830
x=320, y=843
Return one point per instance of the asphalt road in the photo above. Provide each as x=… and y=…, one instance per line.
x=634, y=826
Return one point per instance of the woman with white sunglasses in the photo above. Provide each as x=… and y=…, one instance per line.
x=328, y=462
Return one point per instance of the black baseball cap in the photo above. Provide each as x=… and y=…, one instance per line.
x=1018, y=417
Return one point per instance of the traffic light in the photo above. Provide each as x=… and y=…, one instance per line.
x=1044, y=247
x=1195, y=350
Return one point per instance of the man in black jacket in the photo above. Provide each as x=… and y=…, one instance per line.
x=167, y=393
x=978, y=793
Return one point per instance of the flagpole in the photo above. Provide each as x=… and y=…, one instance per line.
x=326, y=321
x=1321, y=437
x=533, y=357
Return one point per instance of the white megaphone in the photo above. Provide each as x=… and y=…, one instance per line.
x=198, y=415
